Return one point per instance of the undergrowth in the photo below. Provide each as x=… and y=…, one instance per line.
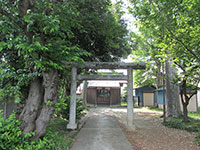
x=193, y=125
x=57, y=137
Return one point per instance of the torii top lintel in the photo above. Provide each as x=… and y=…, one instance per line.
x=107, y=65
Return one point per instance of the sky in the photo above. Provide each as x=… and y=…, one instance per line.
x=130, y=23
x=128, y=17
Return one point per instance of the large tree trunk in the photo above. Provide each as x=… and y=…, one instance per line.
x=172, y=91
x=50, y=99
x=30, y=111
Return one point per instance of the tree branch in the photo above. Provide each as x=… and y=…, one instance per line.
x=180, y=66
x=190, y=51
x=193, y=94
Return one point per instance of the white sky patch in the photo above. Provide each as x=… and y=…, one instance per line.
x=127, y=16
x=129, y=19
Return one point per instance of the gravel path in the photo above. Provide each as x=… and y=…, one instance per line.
x=150, y=134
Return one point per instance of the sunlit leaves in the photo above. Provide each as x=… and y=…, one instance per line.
x=174, y=32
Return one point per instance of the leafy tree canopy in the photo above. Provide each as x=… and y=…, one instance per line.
x=174, y=32
x=39, y=34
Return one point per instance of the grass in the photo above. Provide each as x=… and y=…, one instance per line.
x=195, y=115
x=60, y=134
x=123, y=103
x=155, y=109
x=191, y=126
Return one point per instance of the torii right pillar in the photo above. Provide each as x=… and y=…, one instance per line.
x=130, y=123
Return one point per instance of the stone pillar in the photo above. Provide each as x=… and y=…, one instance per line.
x=72, y=116
x=130, y=124
x=85, y=86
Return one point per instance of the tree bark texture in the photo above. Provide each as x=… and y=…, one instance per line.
x=185, y=113
x=172, y=91
x=30, y=111
x=185, y=99
x=158, y=80
x=50, y=99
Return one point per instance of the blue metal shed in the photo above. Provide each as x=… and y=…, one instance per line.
x=192, y=107
x=142, y=93
x=160, y=96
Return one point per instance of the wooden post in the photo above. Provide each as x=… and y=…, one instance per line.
x=130, y=124
x=72, y=116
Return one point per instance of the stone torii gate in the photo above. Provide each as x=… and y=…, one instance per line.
x=103, y=65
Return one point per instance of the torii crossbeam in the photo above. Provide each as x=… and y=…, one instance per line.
x=103, y=65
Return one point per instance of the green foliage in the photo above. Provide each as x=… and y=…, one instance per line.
x=62, y=108
x=195, y=115
x=124, y=94
x=11, y=137
x=191, y=126
x=61, y=105
x=106, y=33
x=169, y=29
x=197, y=139
x=80, y=110
x=33, y=40
x=61, y=137
x=155, y=109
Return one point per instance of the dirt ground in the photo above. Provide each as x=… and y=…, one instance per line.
x=150, y=134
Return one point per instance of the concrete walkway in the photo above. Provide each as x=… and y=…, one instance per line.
x=101, y=132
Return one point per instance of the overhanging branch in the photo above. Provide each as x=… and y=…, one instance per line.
x=180, y=41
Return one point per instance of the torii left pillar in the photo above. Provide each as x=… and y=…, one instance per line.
x=72, y=115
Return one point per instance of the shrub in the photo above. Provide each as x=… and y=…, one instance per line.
x=11, y=137
x=197, y=139
x=178, y=123
x=63, y=107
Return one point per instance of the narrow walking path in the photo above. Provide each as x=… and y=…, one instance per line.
x=101, y=132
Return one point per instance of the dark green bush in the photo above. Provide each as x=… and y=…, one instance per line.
x=11, y=137
x=79, y=108
x=178, y=123
x=197, y=139
x=63, y=107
